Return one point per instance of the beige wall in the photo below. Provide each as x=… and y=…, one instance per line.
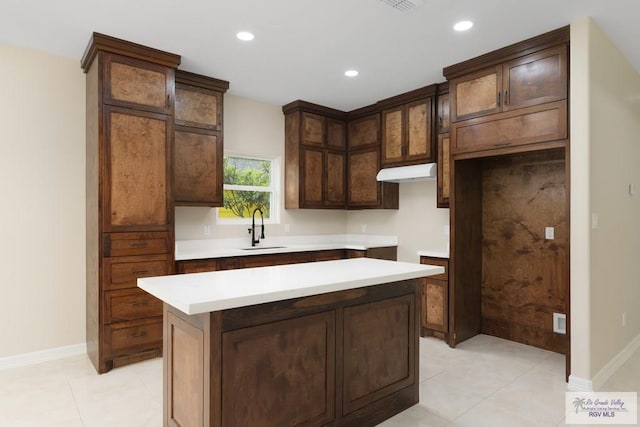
x=256, y=128
x=42, y=255
x=605, y=117
x=418, y=224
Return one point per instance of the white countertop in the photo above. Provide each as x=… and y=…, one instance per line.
x=221, y=248
x=220, y=290
x=435, y=253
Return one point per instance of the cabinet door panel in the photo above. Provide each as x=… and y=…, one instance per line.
x=336, y=134
x=123, y=272
x=198, y=162
x=137, y=84
x=198, y=107
x=393, y=128
x=336, y=174
x=419, y=130
x=476, y=94
x=435, y=305
x=443, y=113
x=444, y=175
x=541, y=123
x=313, y=176
x=287, y=373
x=536, y=79
x=312, y=129
x=139, y=150
x=364, y=132
x=363, y=187
x=378, y=350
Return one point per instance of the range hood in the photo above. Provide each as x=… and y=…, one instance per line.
x=423, y=172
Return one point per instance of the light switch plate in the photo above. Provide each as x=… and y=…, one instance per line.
x=549, y=233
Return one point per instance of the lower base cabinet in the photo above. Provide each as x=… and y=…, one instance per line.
x=336, y=359
x=435, y=300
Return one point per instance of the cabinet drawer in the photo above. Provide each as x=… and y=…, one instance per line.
x=197, y=266
x=127, y=244
x=437, y=261
x=123, y=272
x=543, y=123
x=130, y=304
x=131, y=337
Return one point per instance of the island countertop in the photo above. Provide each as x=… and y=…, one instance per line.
x=198, y=293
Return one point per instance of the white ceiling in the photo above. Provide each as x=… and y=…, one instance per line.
x=303, y=47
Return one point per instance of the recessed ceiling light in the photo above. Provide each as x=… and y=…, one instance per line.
x=245, y=36
x=351, y=73
x=463, y=25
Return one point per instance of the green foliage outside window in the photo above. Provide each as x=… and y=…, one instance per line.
x=247, y=187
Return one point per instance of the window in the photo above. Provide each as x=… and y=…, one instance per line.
x=249, y=183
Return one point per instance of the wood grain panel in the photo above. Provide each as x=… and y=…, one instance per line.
x=198, y=107
x=125, y=338
x=336, y=134
x=419, y=129
x=536, y=79
x=130, y=304
x=186, y=349
x=529, y=125
x=393, y=134
x=336, y=174
x=444, y=170
x=362, y=184
x=312, y=129
x=443, y=113
x=292, y=159
x=280, y=374
x=364, y=132
x=123, y=272
x=198, y=161
x=128, y=244
x=138, y=169
x=524, y=275
x=378, y=356
x=313, y=176
x=476, y=94
x=138, y=84
x=435, y=303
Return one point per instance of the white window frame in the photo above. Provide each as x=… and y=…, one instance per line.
x=274, y=189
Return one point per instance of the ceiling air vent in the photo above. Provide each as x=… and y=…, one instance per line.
x=403, y=5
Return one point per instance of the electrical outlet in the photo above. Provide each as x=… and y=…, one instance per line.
x=632, y=189
x=445, y=229
x=207, y=229
x=363, y=228
x=624, y=319
x=287, y=228
x=594, y=221
x=549, y=233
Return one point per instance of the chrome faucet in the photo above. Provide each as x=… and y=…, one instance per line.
x=252, y=230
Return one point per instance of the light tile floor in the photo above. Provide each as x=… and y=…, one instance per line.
x=485, y=381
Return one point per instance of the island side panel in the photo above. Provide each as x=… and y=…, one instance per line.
x=192, y=369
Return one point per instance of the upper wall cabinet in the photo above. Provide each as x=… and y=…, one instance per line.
x=315, y=156
x=529, y=80
x=198, y=170
x=407, y=128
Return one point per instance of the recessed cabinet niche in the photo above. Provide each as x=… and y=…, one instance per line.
x=130, y=226
x=198, y=171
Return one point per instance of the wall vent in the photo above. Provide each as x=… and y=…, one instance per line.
x=403, y=5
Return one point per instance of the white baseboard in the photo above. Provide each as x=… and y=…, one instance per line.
x=615, y=363
x=26, y=359
x=579, y=384
x=599, y=379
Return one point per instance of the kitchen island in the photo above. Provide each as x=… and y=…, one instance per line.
x=314, y=344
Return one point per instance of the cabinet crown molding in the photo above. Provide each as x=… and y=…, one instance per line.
x=103, y=43
x=192, y=79
x=525, y=47
x=309, y=107
x=405, y=98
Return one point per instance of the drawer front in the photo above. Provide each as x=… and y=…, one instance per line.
x=123, y=273
x=542, y=123
x=128, y=244
x=130, y=304
x=132, y=337
x=437, y=261
x=197, y=266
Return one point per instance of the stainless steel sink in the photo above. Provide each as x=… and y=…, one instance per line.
x=253, y=248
